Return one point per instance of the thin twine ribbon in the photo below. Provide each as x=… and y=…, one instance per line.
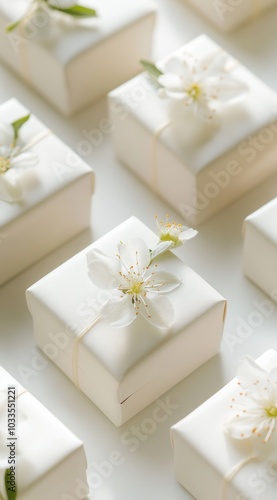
x=22, y=391
x=75, y=350
x=36, y=139
x=164, y=126
x=233, y=472
x=154, y=173
x=23, y=52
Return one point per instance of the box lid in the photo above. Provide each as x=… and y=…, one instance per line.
x=224, y=133
x=58, y=165
x=130, y=356
x=67, y=39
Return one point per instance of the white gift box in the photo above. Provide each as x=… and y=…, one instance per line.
x=260, y=248
x=73, y=63
x=227, y=15
x=124, y=370
x=204, y=455
x=233, y=153
x=56, y=202
x=50, y=461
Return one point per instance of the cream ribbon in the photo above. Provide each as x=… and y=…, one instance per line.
x=165, y=125
x=233, y=472
x=35, y=140
x=75, y=351
x=154, y=165
x=23, y=52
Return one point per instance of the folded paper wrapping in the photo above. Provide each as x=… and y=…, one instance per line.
x=203, y=450
x=52, y=460
x=69, y=62
x=124, y=370
x=199, y=177
x=260, y=248
x=228, y=15
x=56, y=198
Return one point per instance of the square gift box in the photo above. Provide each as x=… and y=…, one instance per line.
x=212, y=465
x=198, y=167
x=122, y=370
x=260, y=248
x=50, y=461
x=73, y=62
x=227, y=15
x=56, y=201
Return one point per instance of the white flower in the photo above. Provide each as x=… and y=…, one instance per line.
x=171, y=235
x=136, y=286
x=12, y=159
x=199, y=83
x=63, y=4
x=254, y=410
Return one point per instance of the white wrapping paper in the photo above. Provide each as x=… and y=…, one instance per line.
x=56, y=198
x=204, y=455
x=260, y=248
x=196, y=171
x=228, y=15
x=73, y=63
x=50, y=459
x=123, y=370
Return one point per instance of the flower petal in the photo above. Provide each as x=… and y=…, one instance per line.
x=158, y=311
x=119, y=312
x=215, y=63
x=177, y=66
x=136, y=253
x=224, y=87
x=172, y=82
x=64, y=4
x=177, y=96
x=163, y=282
x=24, y=160
x=10, y=189
x=160, y=248
x=188, y=234
x=250, y=373
x=6, y=134
x=103, y=270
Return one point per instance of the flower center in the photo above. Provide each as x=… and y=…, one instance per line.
x=194, y=91
x=136, y=288
x=5, y=164
x=271, y=412
x=170, y=237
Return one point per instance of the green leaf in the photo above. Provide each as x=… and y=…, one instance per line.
x=151, y=69
x=75, y=11
x=10, y=494
x=10, y=27
x=18, y=124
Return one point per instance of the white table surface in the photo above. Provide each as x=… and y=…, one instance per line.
x=216, y=254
